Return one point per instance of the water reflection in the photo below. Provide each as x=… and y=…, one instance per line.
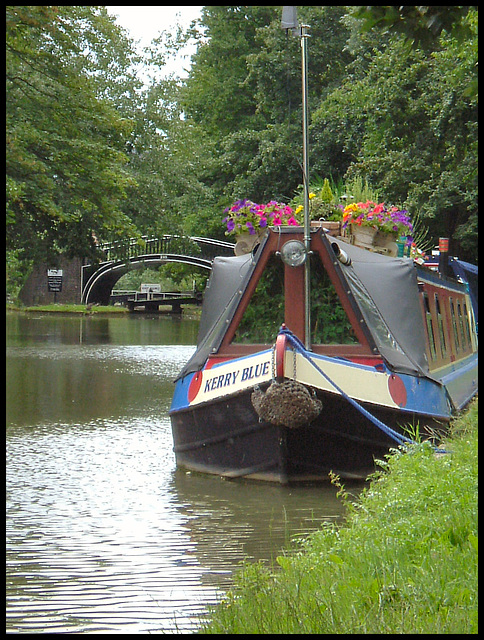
x=248, y=520
x=104, y=535
x=95, y=540
x=85, y=382
x=140, y=329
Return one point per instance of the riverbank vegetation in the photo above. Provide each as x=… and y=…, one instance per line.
x=404, y=561
x=189, y=311
x=69, y=308
x=94, y=154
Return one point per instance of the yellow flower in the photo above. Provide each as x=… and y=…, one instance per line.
x=299, y=209
x=312, y=195
x=351, y=207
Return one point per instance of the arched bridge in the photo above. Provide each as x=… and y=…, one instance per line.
x=98, y=280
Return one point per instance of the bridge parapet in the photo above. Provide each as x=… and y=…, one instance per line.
x=167, y=244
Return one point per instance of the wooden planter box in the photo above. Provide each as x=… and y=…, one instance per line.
x=332, y=228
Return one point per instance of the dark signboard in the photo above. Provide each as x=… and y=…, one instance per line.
x=54, y=280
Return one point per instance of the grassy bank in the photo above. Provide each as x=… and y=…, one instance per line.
x=68, y=308
x=405, y=561
x=189, y=311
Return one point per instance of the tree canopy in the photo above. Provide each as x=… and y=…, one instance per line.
x=66, y=135
x=93, y=154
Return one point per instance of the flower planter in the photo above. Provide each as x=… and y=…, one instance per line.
x=386, y=242
x=246, y=242
x=364, y=221
x=248, y=221
x=362, y=236
x=374, y=240
x=331, y=227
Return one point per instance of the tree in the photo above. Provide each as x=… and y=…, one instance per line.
x=422, y=25
x=92, y=154
x=406, y=120
x=219, y=94
x=244, y=92
x=65, y=137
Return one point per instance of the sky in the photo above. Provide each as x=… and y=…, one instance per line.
x=145, y=23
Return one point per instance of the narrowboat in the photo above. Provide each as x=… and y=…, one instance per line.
x=285, y=389
x=316, y=354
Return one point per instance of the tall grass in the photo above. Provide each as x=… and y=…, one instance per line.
x=405, y=560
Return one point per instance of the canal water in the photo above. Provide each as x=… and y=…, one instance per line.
x=104, y=534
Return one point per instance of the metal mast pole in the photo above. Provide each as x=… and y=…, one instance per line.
x=307, y=221
x=290, y=23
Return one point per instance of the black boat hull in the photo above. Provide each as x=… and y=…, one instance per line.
x=225, y=437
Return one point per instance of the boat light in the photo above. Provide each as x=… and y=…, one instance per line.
x=293, y=253
x=342, y=256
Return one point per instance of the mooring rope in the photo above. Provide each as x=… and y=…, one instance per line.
x=398, y=437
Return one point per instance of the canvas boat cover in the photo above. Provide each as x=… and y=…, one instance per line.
x=386, y=291
x=227, y=282
x=468, y=273
x=384, y=288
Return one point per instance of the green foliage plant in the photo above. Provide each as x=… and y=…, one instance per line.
x=326, y=194
x=323, y=203
x=403, y=562
x=405, y=118
x=65, y=160
x=357, y=189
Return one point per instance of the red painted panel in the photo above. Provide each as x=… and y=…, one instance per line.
x=397, y=390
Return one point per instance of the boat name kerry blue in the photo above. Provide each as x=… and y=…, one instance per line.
x=224, y=377
x=227, y=379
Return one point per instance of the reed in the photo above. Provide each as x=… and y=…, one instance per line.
x=404, y=561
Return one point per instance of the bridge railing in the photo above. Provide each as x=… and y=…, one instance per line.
x=133, y=247
x=173, y=244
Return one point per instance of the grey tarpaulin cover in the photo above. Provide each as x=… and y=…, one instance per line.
x=384, y=288
x=467, y=273
x=386, y=291
x=226, y=284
